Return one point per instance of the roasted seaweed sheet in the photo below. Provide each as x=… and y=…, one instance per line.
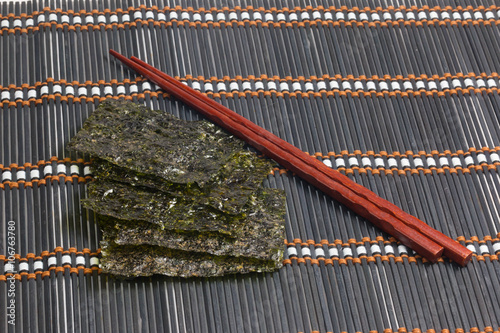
x=178, y=198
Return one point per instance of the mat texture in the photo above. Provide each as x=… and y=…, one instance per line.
x=402, y=96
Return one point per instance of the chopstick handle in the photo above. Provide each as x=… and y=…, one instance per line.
x=385, y=215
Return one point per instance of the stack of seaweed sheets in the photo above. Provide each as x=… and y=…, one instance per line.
x=178, y=198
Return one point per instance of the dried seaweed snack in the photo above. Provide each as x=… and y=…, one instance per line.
x=130, y=203
x=262, y=232
x=155, y=142
x=228, y=190
x=134, y=261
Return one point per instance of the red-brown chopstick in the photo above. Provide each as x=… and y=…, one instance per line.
x=408, y=229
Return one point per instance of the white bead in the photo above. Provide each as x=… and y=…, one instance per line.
x=150, y=15
x=321, y=85
x=306, y=252
x=358, y=85
x=246, y=85
x=467, y=16
x=259, y=85
x=23, y=266
x=94, y=261
x=379, y=162
x=333, y=252
x=422, y=15
x=405, y=163
x=363, y=17
x=82, y=91
x=327, y=162
x=420, y=84
x=86, y=171
x=269, y=17
x=21, y=174
x=468, y=83
x=395, y=85
x=370, y=85
x=74, y=169
x=471, y=247
x=418, y=162
x=431, y=162
x=161, y=17
x=410, y=16
x=375, y=248
x=483, y=248
x=456, y=83
x=296, y=86
x=387, y=16
x=480, y=83
x=18, y=94
x=208, y=86
x=108, y=90
x=339, y=162
x=185, y=16
x=281, y=17
x=146, y=86
x=56, y=89
x=469, y=160
x=457, y=16
x=481, y=158
x=66, y=259
x=61, y=168
x=389, y=249
x=361, y=250
x=496, y=247
x=494, y=157
x=271, y=85
x=351, y=16
x=80, y=260
x=445, y=15
x=120, y=90
x=173, y=15
x=221, y=86
x=34, y=174
x=233, y=86
x=29, y=22
x=383, y=85
x=392, y=162
x=407, y=85
x=456, y=161
x=47, y=170
x=365, y=161
x=375, y=17
x=353, y=161
x=443, y=161
x=222, y=17
x=434, y=15
x=444, y=84
x=40, y=19
x=6, y=175
x=96, y=91
x=89, y=19
x=334, y=85
x=478, y=15
x=245, y=16
x=489, y=15
x=37, y=265
x=101, y=19
x=491, y=83
x=309, y=86
x=44, y=90
x=234, y=16
x=399, y=16
x=316, y=15
x=9, y=268
x=69, y=90
x=196, y=17
x=346, y=85
x=76, y=20
x=292, y=251
x=319, y=252
x=432, y=85
x=52, y=261
x=304, y=16
x=328, y=16
x=18, y=23
x=339, y=16
x=284, y=86
x=138, y=15
x=402, y=249
x=347, y=251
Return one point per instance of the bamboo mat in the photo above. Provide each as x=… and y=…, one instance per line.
x=401, y=96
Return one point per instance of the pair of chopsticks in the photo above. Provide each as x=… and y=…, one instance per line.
x=409, y=230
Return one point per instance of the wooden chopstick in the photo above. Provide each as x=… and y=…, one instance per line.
x=409, y=230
